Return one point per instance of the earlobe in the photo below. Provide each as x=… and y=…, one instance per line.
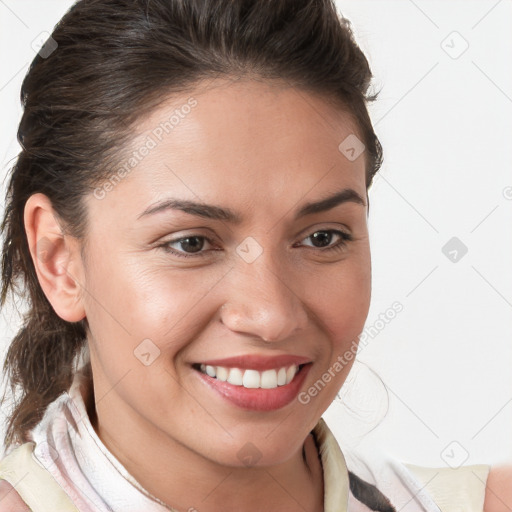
x=56, y=258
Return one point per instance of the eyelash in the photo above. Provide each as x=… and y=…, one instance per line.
x=345, y=237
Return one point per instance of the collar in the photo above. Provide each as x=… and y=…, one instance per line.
x=335, y=472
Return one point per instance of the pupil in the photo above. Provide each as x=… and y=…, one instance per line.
x=323, y=237
x=195, y=247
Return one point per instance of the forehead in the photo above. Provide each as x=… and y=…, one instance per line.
x=241, y=141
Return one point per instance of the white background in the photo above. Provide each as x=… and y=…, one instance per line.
x=444, y=117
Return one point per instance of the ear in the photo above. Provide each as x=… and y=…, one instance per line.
x=56, y=258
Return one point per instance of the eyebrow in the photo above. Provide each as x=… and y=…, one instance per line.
x=346, y=195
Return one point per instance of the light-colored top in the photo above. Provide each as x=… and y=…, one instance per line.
x=67, y=468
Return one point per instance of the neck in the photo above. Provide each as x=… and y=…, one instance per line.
x=186, y=480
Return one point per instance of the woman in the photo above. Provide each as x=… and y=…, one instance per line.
x=189, y=216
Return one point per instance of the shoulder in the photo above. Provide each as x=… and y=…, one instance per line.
x=498, y=491
x=461, y=488
x=10, y=500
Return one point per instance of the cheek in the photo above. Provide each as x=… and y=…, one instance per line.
x=132, y=301
x=342, y=300
x=341, y=303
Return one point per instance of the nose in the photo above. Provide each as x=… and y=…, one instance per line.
x=263, y=302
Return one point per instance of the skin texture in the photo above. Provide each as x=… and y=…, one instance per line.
x=10, y=500
x=263, y=150
x=498, y=495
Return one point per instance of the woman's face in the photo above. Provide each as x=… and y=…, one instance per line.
x=261, y=279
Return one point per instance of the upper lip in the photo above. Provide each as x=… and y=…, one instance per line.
x=258, y=362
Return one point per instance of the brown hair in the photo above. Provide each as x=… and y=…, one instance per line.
x=113, y=62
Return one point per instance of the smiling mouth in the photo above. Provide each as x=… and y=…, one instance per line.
x=249, y=378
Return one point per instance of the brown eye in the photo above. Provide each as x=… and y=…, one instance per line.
x=192, y=244
x=323, y=238
x=187, y=246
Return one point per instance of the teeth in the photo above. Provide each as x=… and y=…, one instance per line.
x=222, y=373
x=281, y=377
x=290, y=373
x=252, y=379
x=269, y=379
x=235, y=376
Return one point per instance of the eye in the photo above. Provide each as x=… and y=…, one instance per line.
x=190, y=245
x=193, y=245
x=322, y=239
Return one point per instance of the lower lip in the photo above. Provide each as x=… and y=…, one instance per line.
x=258, y=399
